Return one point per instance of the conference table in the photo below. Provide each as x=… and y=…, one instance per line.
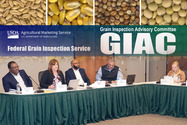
x=92, y=105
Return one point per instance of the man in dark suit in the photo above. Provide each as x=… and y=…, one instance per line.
x=76, y=73
x=15, y=76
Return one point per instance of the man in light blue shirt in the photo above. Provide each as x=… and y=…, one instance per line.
x=109, y=72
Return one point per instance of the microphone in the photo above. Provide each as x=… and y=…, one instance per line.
x=158, y=82
x=39, y=88
x=69, y=88
x=184, y=83
x=123, y=73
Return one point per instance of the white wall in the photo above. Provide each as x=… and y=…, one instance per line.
x=153, y=67
x=132, y=65
x=157, y=68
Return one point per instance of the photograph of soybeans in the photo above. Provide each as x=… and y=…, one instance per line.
x=164, y=12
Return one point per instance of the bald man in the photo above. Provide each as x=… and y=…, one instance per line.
x=75, y=72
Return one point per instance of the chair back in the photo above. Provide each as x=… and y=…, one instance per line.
x=40, y=76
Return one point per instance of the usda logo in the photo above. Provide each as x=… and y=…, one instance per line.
x=12, y=34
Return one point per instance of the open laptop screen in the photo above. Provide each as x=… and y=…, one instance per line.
x=130, y=79
x=74, y=83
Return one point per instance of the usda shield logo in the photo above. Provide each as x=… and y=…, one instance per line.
x=12, y=34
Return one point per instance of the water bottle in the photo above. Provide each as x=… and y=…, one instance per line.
x=18, y=88
x=119, y=78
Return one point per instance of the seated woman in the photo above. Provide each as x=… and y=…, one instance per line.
x=52, y=76
x=177, y=74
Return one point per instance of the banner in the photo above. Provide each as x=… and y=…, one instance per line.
x=93, y=40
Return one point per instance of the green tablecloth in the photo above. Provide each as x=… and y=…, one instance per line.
x=86, y=106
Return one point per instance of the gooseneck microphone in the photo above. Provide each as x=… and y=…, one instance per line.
x=123, y=73
x=39, y=88
x=158, y=82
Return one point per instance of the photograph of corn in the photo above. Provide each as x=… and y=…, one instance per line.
x=70, y=12
x=164, y=12
x=22, y=12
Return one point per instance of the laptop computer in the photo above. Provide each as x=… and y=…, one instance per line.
x=130, y=79
x=74, y=83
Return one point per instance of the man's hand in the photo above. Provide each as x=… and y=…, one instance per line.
x=113, y=81
x=110, y=82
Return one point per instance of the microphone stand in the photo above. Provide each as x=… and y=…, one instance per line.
x=158, y=82
x=126, y=77
x=39, y=88
x=123, y=73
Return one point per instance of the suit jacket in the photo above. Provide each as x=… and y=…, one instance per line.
x=71, y=75
x=47, y=79
x=9, y=82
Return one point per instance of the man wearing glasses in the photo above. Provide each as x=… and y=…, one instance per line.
x=15, y=76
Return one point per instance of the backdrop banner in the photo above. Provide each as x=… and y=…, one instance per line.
x=93, y=40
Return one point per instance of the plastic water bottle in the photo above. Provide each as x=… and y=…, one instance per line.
x=18, y=88
x=119, y=78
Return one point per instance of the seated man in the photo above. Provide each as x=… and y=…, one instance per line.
x=15, y=76
x=177, y=74
x=109, y=72
x=76, y=73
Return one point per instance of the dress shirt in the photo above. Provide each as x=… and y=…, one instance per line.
x=99, y=74
x=19, y=80
x=78, y=76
